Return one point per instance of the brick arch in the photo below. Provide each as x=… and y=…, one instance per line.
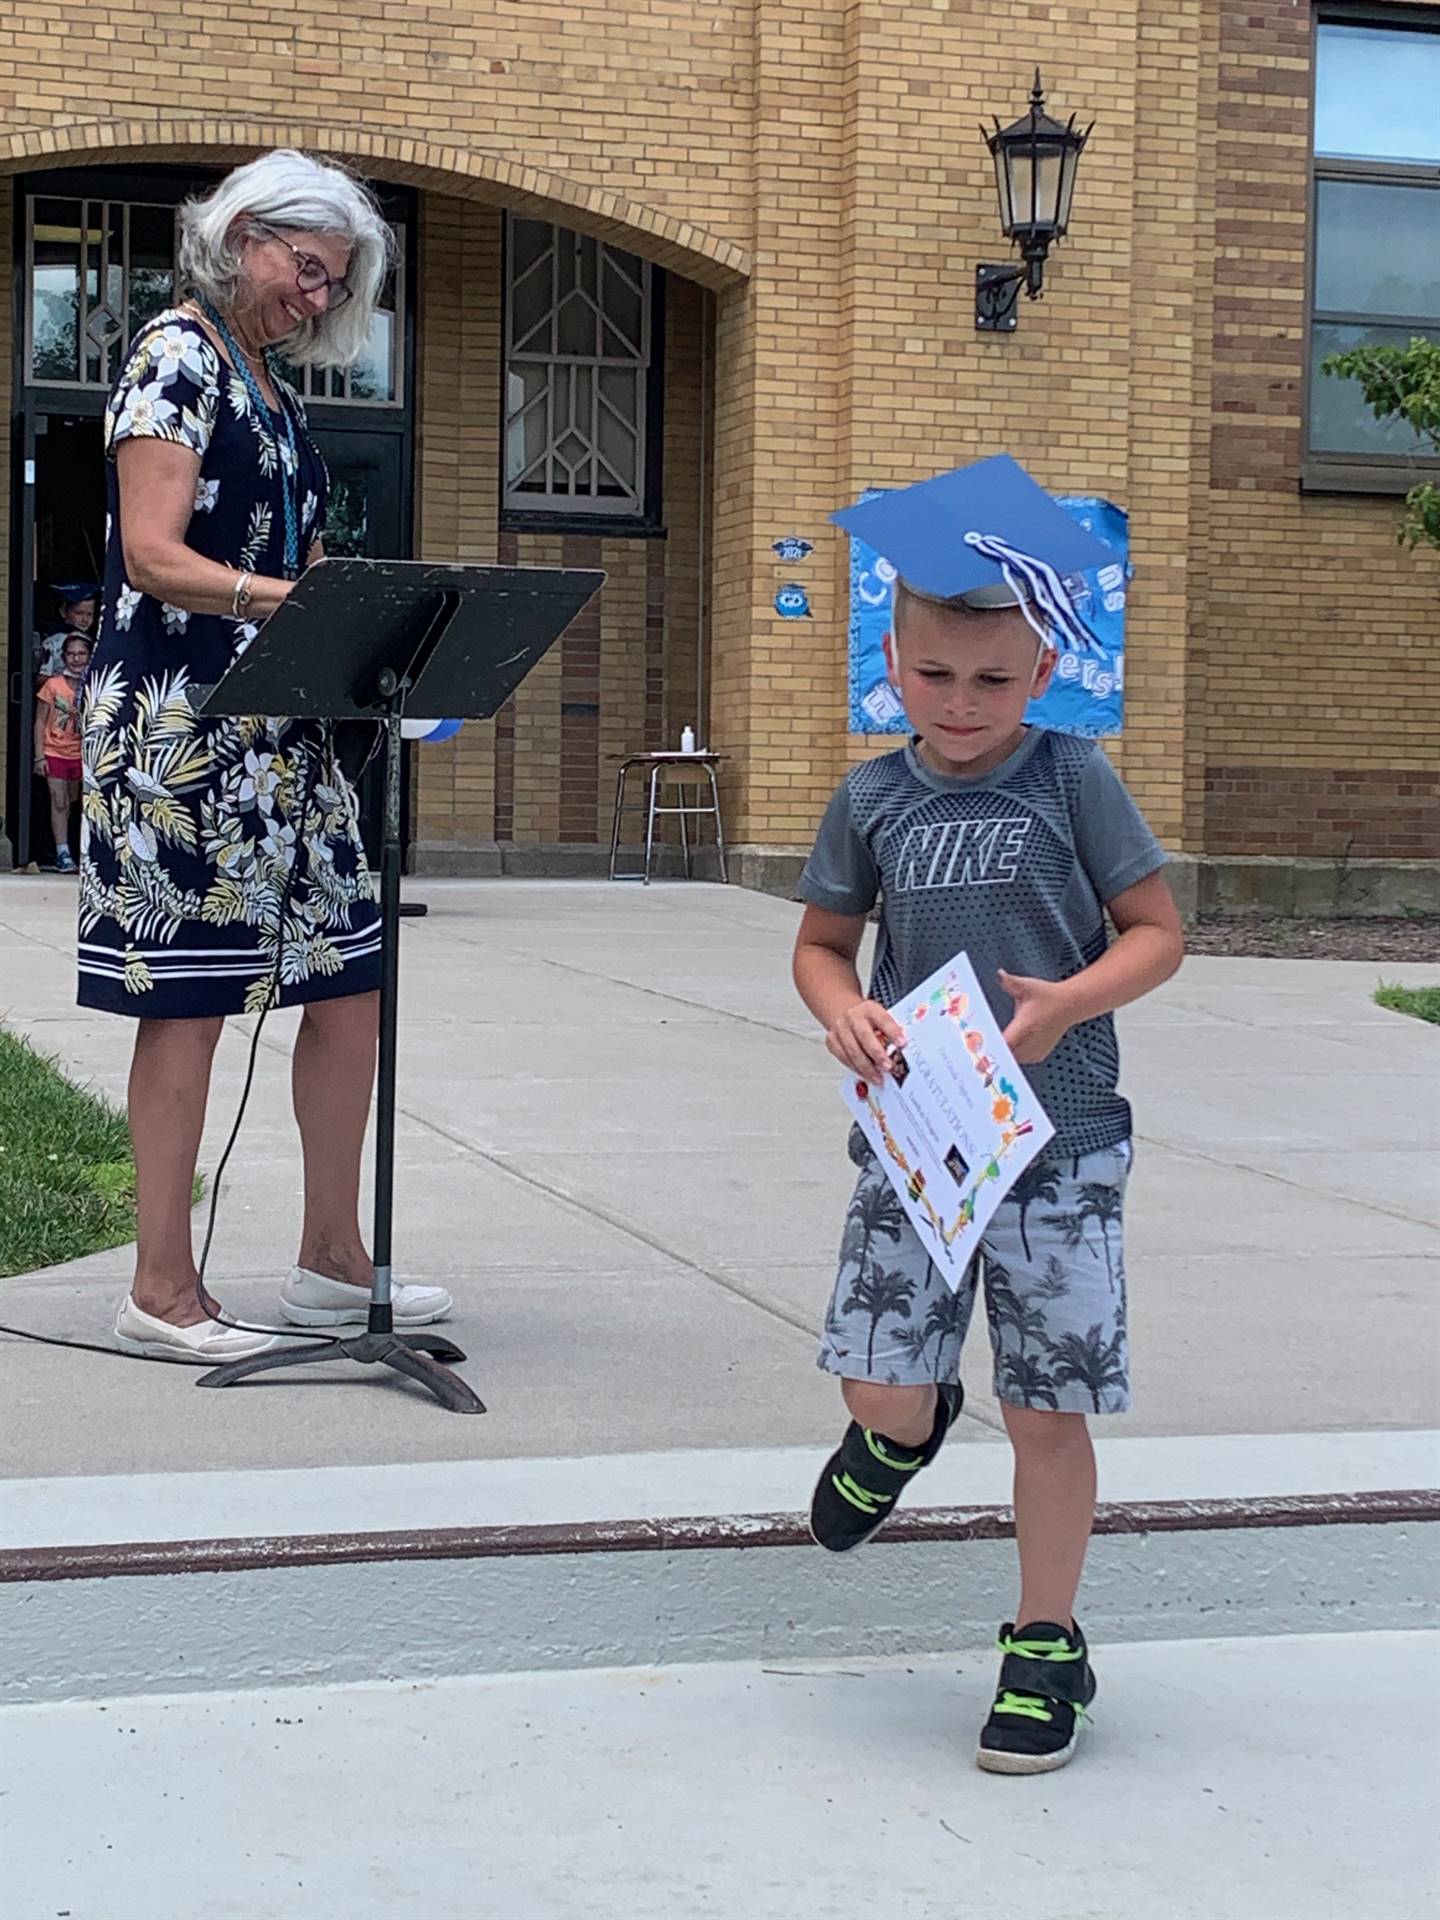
x=679, y=245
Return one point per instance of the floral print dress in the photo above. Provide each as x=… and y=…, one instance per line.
x=190, y=828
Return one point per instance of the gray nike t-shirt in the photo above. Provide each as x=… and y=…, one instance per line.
x=1014, y=868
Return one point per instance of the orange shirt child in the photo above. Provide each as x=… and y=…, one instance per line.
x=60, y=696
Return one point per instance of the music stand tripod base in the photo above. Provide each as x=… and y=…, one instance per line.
x=425, y=1357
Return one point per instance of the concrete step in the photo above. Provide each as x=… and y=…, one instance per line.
x=1249, y=1779
x=124, y=1585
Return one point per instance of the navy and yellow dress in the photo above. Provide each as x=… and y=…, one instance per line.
x=190, y=827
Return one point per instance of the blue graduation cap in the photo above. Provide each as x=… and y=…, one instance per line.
x=986, y=536
x=68, y=592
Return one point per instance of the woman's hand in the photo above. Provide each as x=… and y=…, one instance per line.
x=267, y=597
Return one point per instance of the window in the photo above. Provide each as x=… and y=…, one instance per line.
x=377, y=378
x=1376, y=248
x=99, y=269
x=581, y=398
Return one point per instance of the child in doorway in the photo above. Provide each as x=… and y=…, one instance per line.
x=979, y=612
x=79, y=613
x=57, y=742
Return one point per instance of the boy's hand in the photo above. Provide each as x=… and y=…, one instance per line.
x=1041, y=1019
x=860, y=1038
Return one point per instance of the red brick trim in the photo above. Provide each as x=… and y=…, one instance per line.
x=1322, y=812
x=131, y=1560
x=508, y=554
x=1262, y=192
x=580, y=706
x=655, y=741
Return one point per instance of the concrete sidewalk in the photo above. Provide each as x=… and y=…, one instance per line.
x=1216, y=1782
x=622, y=1147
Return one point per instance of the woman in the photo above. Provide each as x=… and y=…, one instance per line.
x=197, y=836
x=57, y=741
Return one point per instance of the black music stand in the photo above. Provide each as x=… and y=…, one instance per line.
x=360, y=641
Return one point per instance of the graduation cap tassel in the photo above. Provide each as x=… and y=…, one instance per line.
x=1037, y=586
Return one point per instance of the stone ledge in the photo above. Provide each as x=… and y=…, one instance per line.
x=548, y=860
x=1243, y=884
x=688, y=1534
x=1203, y=884
x=224, y=1621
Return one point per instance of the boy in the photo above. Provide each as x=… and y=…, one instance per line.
x=57, y=742
x=1010, y=842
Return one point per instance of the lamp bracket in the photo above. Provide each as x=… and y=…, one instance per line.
x=997, y=296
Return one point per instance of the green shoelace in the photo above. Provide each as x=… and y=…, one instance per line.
x=866, y=1499
x=1032, y=1706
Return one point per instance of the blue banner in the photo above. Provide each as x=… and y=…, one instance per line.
x=1086, y=691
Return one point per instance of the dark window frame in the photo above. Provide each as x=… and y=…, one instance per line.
x=1328, y=471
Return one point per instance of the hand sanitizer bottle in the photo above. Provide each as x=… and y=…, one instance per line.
x=687, y=739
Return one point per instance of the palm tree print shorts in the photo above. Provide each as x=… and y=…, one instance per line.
x=1054, y=1274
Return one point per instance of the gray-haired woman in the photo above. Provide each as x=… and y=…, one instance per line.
x=198, y=836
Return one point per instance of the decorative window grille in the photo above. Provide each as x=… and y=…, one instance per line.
x=578, y=325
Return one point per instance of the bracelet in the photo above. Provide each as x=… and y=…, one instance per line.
x=241, y=599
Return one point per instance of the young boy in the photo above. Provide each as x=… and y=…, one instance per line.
x=57, y=742
x=1009, y=842
x=79, y=613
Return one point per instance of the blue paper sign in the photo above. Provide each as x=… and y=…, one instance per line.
x=792, y=547
x=792, y=602
x=1086, y=691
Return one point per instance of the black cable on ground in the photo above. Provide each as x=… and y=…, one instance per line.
x=209, y=1306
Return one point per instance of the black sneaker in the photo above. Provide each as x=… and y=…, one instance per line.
x=861, y=1481
x=1046, y=1683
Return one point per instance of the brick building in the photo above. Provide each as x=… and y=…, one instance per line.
x=680, y=277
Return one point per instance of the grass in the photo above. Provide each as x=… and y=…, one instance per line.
x=67, y=1182
x=1422, y=1002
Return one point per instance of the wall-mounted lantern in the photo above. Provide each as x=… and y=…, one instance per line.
x=1035, y=163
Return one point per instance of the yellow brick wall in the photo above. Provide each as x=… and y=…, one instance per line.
x=1322, y=726
x=816, y=168
x=689, y=434
x=776, y=697
x=458, y=433
x=7, y=201
x=851, y=359
x=646, y=101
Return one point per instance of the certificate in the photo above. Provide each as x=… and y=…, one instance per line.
x=955, y=1123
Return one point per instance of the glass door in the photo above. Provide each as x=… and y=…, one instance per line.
x=366, y=516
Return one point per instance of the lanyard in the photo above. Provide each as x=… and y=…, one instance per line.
x=284, y=432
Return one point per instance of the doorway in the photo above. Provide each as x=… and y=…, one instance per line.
x=94, y=256
x=67, y=535
x=366, y=518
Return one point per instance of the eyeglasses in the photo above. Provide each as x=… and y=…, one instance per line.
x=310, y=273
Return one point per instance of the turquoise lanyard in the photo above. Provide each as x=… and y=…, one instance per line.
x=283, y=428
